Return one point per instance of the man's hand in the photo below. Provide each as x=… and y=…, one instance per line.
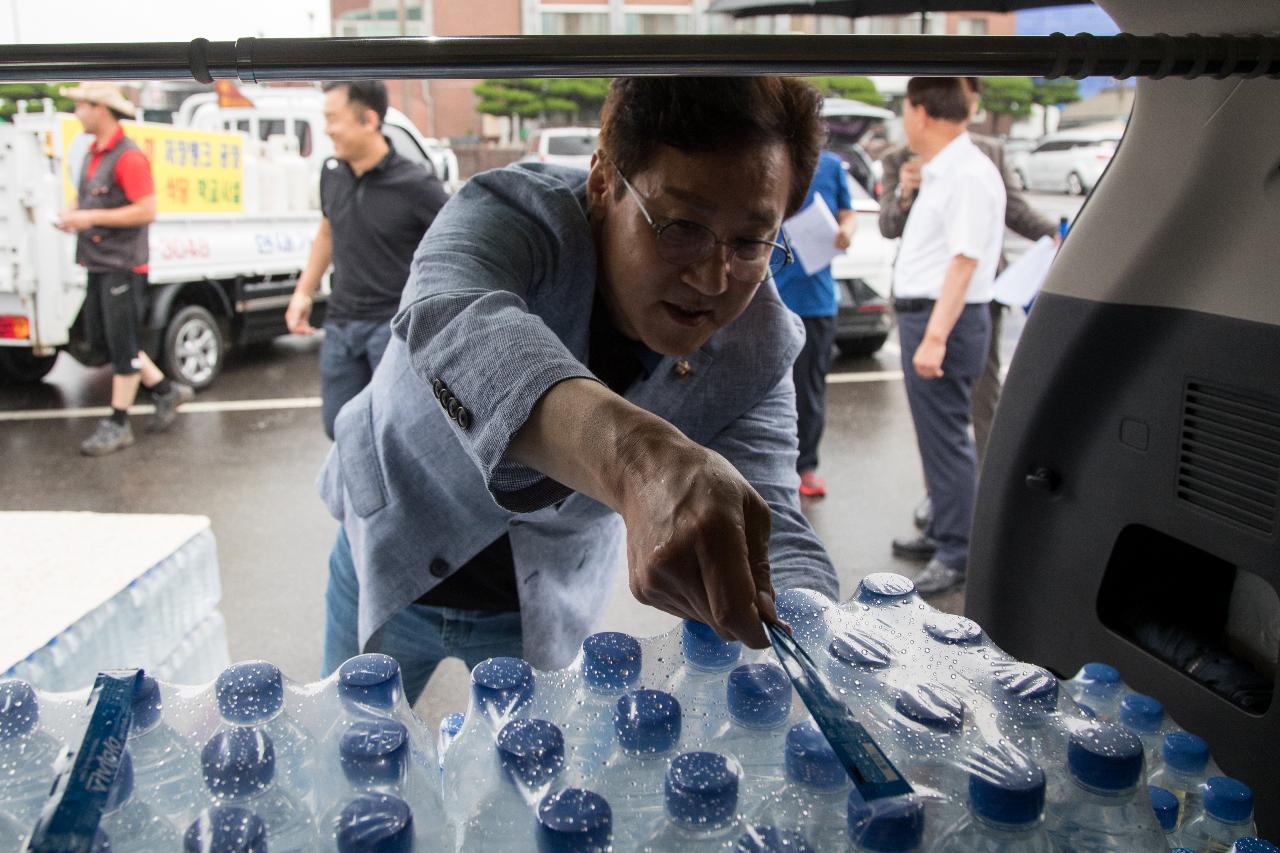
x=297, y=317
x=72, y=221
x=928, y=358
x=697, y=537
x=909, y=177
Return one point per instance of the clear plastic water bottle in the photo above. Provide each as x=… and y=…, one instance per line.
x=251, y=694
x=1228, y=815
x=811, y=803
x=699, y=683
x=574, y=820
x=239, y=766
x=1251, y=844
x=967, y=651
x=374, y=756
x=225, y=829
x=530, y=757
x=1027, y=713
x=1006, y=807
x=759, y=699
x=375, y=823
x=701, y=800
x=27, y=753
x=1107, y=810
x=889, y=825
x=129, y=822
x=1183, y=772
x=647, y=726
x=806, y=611
x=858, y=666
x=1098, y=687
x=610, y=666
x=762, y=838
x=450, y=726
x=1144, y=716
x=1166, y=808
x=166, y=769
x=502, y=689
x=892, y=600
x=928, y=747
x=370, y=684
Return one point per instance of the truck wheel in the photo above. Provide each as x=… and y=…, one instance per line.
x=193, y=347
x=19, y=365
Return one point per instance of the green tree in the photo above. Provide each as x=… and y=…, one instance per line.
x=544, y=99
x=11, y=93
x=1007, y=96
x=854, y=88
x=1050, y=93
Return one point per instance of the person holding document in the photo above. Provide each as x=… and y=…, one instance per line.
x=808, y=289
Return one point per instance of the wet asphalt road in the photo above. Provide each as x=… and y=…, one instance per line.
x=246, y=455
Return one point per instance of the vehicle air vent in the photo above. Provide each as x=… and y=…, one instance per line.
x=1229, y=458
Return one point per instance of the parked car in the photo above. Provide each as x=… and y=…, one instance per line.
x=863, y=276
x=564, y=146
x=1069, y=161
x=847, y=123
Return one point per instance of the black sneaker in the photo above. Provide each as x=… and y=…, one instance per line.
x=916, y=548
x=167, y=406
x=107, y=438
x=938, y=578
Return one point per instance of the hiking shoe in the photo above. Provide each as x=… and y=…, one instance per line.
x=167, y=405
x=107, y=438
x=938, y=577
x=811, y=485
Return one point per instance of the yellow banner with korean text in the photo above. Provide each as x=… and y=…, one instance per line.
x=195, y=171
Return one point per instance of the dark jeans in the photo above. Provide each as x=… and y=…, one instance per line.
x=940, y=410
x=810, y=373
x=348, y=356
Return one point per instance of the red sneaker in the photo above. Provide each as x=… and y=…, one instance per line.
x=811, y=485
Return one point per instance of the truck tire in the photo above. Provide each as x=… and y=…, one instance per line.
x=20, y=366
x=193, y=347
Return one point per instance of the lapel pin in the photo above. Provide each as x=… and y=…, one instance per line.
x=682, y=368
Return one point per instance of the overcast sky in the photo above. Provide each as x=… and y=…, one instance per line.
x=53, y=21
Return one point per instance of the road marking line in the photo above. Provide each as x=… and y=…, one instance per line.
x=188, y=409
x=867, y=376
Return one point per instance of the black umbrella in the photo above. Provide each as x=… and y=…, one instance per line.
x=867, y=8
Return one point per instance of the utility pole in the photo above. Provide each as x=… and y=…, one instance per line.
x=405, y=96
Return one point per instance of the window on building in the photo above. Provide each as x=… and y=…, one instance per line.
x=575, y=23
x=755, y=25
x=833, y=25
x=382, y=18
x=971, y=27
x=658, y=23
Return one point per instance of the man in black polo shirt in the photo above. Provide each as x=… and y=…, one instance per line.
x=376, y=206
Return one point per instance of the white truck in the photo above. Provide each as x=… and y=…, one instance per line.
x=238, y=193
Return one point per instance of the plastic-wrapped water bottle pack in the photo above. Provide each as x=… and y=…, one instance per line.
x=680, y=742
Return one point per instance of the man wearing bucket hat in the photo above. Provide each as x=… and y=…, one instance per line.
x=115, y=203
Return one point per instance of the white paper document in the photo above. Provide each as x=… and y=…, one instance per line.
x=812, y=233
x=1021, y=280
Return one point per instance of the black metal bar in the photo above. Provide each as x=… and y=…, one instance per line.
x=261, y=59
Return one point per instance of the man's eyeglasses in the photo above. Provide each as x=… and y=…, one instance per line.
x=681, y=243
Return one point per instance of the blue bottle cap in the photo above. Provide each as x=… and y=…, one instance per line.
x=885, y=588
x=701, y=789
x=574, y=820
x=1141, y=713
x=1006, y=787
x=932, y=706
x=451, y=724
x=704, y=649
x=1099, y=679
x=502, y=686
x=810, y=760
x=610, y=661
x=1251, y=844
x=1227, y=799
x=647, y=722
x=804, y=610
x=226, y=829
x=1185, y=752
x=532, y=751
x=146, y=706
x=759, y=694
x=19, y=708
x=374, y=752
x=1165, y=804
x=122, y=788
x=238, y=762
x=770, y=839
x=375, y=823
x=250, y=692
x=371, y=680
x=889, y=825
x=861, y=650
x=953, y=630
x=1028, y=692
x=1105, y=756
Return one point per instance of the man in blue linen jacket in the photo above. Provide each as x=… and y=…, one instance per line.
x=580, y=357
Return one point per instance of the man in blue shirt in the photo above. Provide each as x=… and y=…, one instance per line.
x=813, y=298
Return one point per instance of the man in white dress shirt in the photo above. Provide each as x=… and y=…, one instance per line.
x=943, y=278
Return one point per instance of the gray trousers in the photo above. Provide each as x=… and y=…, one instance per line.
x=940, y=410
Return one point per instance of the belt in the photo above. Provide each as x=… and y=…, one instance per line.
x=911, y=306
